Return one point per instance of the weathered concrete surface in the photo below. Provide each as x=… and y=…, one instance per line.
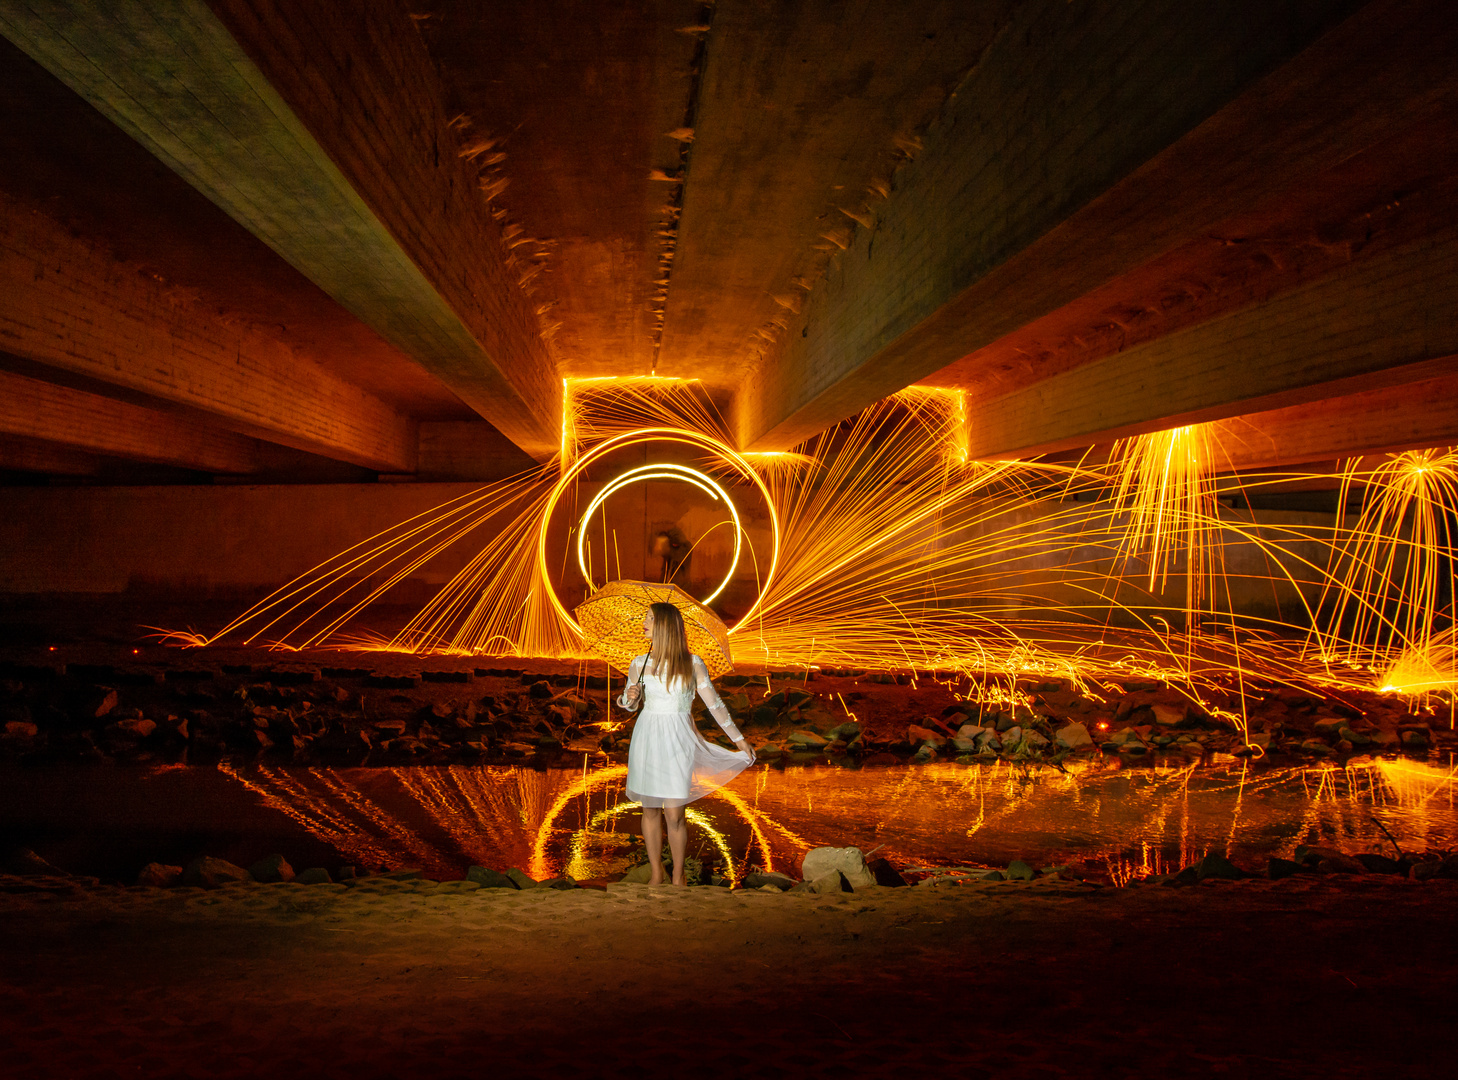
x=1350, y=331
x=325, y=136
x=1409, y=416
x=1144, y=127
x=43, y=410
x=71, y=306
x=572, y=104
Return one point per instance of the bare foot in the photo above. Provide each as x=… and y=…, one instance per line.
x=679, y=881
x=655, y=877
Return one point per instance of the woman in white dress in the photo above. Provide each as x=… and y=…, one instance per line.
x=669, y=763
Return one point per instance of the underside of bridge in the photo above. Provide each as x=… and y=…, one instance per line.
x=268, y=242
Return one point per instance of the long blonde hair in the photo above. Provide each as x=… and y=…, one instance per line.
x=670, y=646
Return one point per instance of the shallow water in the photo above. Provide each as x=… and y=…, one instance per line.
x=109, y=821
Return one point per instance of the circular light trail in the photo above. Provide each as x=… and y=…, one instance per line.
x=699, y=480
x=634, y=438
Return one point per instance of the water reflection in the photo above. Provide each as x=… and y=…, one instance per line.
x=1135, y=821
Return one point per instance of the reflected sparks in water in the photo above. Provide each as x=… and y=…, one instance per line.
x=1134, y=822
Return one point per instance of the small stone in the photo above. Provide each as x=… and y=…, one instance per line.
x=832, y=883
x=925, y=754
x=489, y=879
x=272, y=868
x=964, y=746
x=1329, y=726
x=20, y=729
x=1012, y=738
x=886, y=874
x=541, y=689
x=759, y=879
x=1316, y=746
x=1356, y=738
x=1018, y=870
x=808, y=738
x=442, y=711
x=563, y=883
x=138, y=729
x=210, y=873
x=1414, y=738
x=1032, y=740
x=848, y=861
x=1425, y=870
x=971, y=731
x=522, y=881
x=637, y=875
x=315, y=875
x=1073, y=737
x=159, y=876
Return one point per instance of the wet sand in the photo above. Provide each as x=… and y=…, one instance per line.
x=1328, y=976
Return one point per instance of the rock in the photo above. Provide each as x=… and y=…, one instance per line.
x=886, y=874
x=764, y=716
x=1448, y=868
x=489, y=879
x=1316, y=746
x=760, y=878
x=1073, y=737
x=272, y=868
x=1017, y=870
x=137, y=729
x=157, y=875
x=638, y=875
x=971, y=731
x=1276, y=869
x=849, y=731
x=1425, y=870
x=563, y=883
x=315, y=875
x=915, y=733
x=1188, y=876
x=1356, y=738
x=20, y=729
x=1170, y=715
x=1032, y=740
x=833, y=883
x=541, y=689
x=1012, y=738
x=1378, y=864
x=1328, y=726
x=106, y=704
x=209, y=873
x=849, y=861
x=808, y=738
x=1215, y=865
x=1328, y=860
x=522, y=881
x=1414, y=739
x=925, y=753
x=964, y=746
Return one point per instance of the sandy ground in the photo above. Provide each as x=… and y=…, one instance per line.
x=1309, y=976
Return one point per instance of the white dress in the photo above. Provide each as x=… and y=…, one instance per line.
x=669, y=762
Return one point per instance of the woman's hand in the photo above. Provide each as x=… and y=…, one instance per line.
x=632, y=695
x=746, y=748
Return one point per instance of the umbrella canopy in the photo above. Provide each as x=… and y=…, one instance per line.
x=612, y=624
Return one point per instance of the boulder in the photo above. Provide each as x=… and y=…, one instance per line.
x=522, y=881
x=1328, y=726
x=1073, y=737
x=563, y=883
x=489, y=879
x=964, y=746
x=1170, y=715
x=272, y=868
x=209, y=873
x=848, y=731
x=1328, y=860
x=808, y=738
x=1413, y=739
x=1012, y=738
x=925, y=753
x=1356, y=738
x=637, y=875
x=1379, y=864
x=159, y=876
x=1316, y=746
x=1032, y=740
x=972, y=731
x=1276, y=869
x=136, y=729
x=758, y=879
x=849, y=861
x=1018, y=870
x=315, y=875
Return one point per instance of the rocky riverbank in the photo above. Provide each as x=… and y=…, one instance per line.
x=348, y=708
